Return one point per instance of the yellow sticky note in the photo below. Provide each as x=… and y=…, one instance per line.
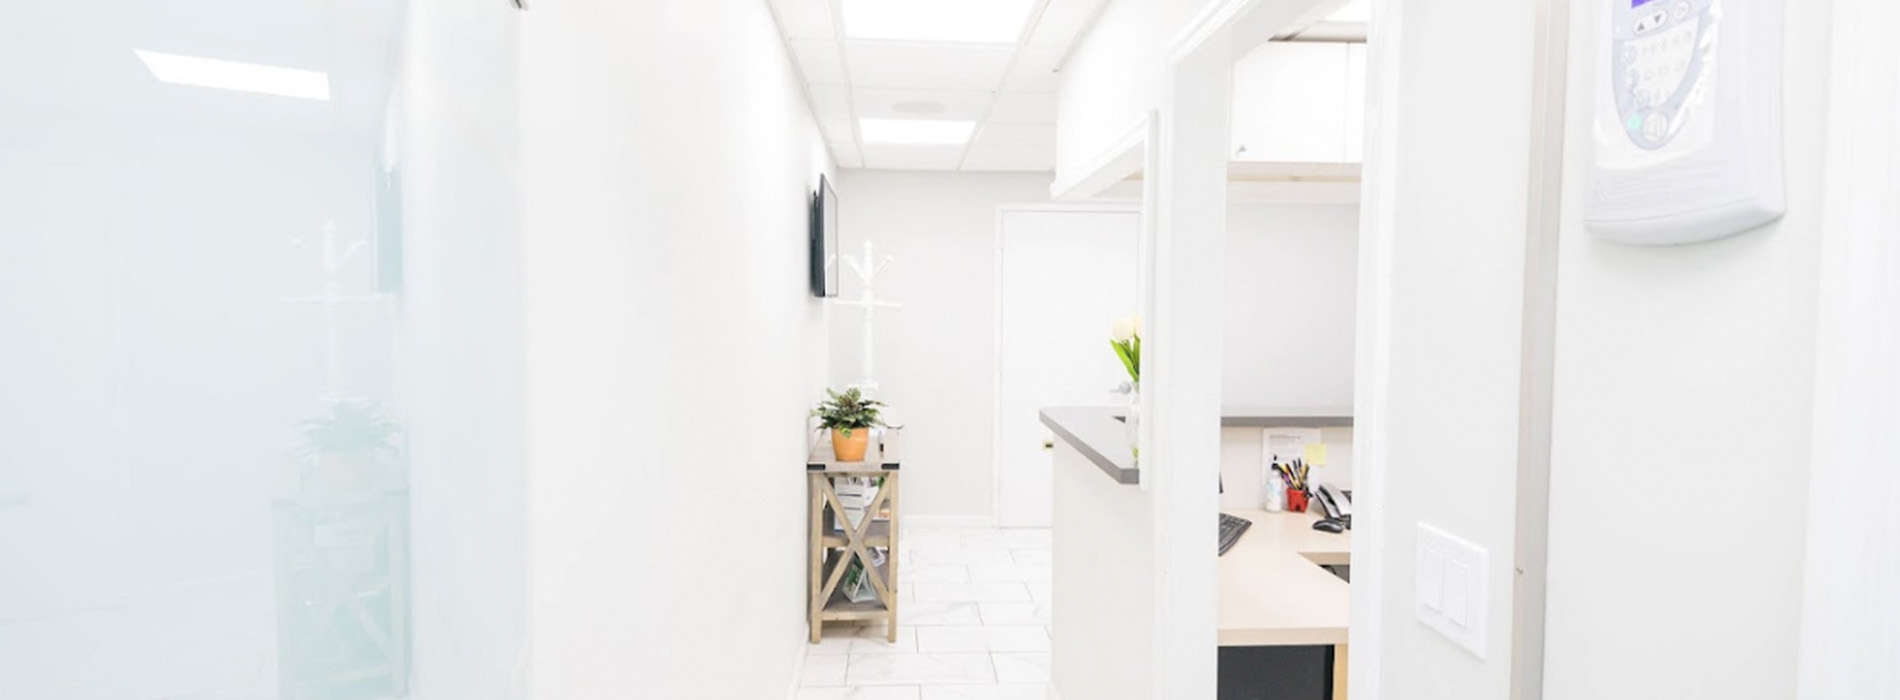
x=1316, y=454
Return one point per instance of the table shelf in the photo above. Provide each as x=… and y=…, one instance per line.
x=831, y=551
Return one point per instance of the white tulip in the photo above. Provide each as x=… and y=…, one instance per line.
x=1127, y=328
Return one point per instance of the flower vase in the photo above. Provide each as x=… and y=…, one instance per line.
x=1133, y=422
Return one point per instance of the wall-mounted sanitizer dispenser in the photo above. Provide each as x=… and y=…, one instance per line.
x=1687, y=135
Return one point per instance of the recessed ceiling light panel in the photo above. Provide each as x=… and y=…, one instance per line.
x=916, y=132
x=236, y=75
x=958, y=21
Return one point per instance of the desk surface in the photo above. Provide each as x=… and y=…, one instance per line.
x=1272, y=589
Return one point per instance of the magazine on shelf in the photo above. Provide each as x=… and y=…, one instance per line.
x=856, y=585
x=856, y=494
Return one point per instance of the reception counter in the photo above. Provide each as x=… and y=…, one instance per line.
x=1281, y=612
x=1101, y=435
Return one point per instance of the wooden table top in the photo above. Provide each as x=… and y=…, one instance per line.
x=884, y=455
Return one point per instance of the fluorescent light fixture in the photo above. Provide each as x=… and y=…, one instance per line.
x=234, y=75
x=957, y=21
x=916, y=132
x=1356, y=11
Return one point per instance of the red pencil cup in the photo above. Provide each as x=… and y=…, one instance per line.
x=1296, y=500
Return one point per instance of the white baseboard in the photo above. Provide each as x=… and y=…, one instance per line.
x=948, y=521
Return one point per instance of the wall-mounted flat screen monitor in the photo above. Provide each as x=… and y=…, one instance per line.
x=824, y=240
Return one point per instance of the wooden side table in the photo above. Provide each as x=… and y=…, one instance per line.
x=342, y=584
x=832, y=552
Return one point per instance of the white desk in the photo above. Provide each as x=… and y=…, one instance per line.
x=1272, y=589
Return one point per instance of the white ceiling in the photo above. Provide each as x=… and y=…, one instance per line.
x=1007, y=89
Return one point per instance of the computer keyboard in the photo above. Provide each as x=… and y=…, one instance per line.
x=1231, y=528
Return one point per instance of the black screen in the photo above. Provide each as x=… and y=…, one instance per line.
x=824, y=240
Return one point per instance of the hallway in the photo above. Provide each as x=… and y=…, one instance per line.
x=974, y=624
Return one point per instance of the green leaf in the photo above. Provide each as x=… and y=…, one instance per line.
x=1130, y=357
x=848, y=410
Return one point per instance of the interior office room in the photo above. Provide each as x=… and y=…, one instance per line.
x=920, y=350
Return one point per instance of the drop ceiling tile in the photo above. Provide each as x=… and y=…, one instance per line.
x=820, y=62
x=943, y=21
x=805, y=19
x=1025, y=108
x=1015, y=135
x=1064, y=21
x=927, y=67
x=895, y=157
x=1035, y=70
x=883, y=103
x=1010, y=159
x=846, y=154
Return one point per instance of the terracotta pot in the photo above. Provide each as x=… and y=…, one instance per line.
x=850, y=449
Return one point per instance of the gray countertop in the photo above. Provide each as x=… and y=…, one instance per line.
x=1099, y=433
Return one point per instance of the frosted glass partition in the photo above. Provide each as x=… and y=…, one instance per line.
x=232, y=452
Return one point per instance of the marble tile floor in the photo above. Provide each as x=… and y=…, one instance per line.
x=973, y=624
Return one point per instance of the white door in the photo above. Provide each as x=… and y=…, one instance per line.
x=1066, y=276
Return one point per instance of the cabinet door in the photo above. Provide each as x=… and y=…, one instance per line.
x=1355, y=102
x=1290, y=103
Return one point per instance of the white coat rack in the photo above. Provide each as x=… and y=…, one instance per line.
x=336, y=257
x=867, y=269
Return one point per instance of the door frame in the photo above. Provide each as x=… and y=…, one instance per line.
x=1850, y=618
x=1201, y=60
x=996, y=327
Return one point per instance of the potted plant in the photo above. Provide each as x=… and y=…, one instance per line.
x=346, y=444
x=849, y=416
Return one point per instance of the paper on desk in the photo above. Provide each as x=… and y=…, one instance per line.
x=1284, y=445
x=1315, y=454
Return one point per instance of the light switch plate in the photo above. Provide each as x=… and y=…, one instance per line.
x=1452, y=588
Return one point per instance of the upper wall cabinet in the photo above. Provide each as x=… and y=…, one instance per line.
x=1300, y=102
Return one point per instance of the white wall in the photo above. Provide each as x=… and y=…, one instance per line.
x=1456, y=188
x=456, y=144
x=1292, y=295
x=935, y=358
x=1292, y=272
x=1688, y=371
x=1113, y=77
x=673, y=348
x=1851, y=617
